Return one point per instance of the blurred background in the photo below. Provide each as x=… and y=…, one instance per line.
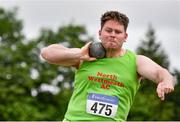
x=31, y=89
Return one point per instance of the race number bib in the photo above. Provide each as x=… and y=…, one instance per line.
x=102, y=105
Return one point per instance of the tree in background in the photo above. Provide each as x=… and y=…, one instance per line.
x=14, y=72
x=30, y=88
x=147, y=106
x=175, y=97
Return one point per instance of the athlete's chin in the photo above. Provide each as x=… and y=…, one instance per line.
x=112, y=47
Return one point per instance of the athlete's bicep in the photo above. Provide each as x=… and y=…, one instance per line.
x=147, y=68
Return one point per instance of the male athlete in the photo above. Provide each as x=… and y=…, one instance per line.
x=104, y=89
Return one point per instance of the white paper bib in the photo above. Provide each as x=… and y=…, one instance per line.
x=102, y=105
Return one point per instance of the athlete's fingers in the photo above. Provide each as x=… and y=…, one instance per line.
x=92, y=59
x=168, y=87
x=160, y=91
x=84, y=57
x=161, y=95
x=87, y=58
x=167, y=90
x=86, y=46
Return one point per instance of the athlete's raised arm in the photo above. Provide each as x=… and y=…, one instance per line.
x=58, y=54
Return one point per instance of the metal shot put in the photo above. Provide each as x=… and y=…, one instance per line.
x=97, y=50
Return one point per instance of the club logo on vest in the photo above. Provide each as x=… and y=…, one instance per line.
x=106, y=80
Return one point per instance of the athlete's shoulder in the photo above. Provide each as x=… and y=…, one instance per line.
x=131, y=53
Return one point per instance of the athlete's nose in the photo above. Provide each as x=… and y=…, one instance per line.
x=112, y=34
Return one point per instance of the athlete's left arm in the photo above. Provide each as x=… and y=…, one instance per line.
x=154, y=72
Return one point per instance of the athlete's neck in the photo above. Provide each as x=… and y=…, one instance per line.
x=111, y=53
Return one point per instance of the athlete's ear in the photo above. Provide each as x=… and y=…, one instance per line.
x=125, y=37
x=99, y=34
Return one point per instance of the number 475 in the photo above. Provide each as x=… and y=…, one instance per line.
x=108, y=108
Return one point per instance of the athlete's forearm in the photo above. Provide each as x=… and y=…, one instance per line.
x=58, y=54
x=164, y=76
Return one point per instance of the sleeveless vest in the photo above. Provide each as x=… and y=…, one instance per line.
x=104, y=89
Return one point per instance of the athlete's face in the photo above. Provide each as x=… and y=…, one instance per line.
x=112, y=35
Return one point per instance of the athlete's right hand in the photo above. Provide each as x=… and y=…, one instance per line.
x=85, y=53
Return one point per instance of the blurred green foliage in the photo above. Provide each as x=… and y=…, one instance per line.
x=147, y=105
x=25, y=78
x=31, y=89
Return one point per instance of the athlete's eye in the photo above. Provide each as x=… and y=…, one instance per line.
x=109, y=30
x=118, y=32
